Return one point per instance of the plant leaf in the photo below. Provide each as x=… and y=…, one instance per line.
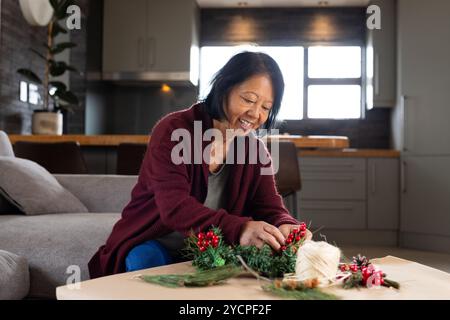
x=67, y=96
x=54, y=4
x=58, y=85
x=61, y=47
x=57, y=29
x=40, y=55
x=61, y=11
x=64, y=107
x=57, y=68
x=73, y=69
x=30, y=75
x=305, y=294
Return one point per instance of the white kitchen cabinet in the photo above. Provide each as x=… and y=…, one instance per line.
x=334, y=185
x=350, y=193
x=333, y=193
x=381, y=58
x=420, y=121
x=124, y=25
x=152, y=40
x=332, y=214
x=426, y=195
x=383, y=193
x=172, y=30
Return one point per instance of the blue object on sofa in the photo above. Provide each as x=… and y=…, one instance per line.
x=147, y=255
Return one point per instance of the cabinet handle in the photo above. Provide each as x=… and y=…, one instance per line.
x=337, y=179
x=403, y=176
x=140, y=53
x=344, y=208
x=403, y=99
x=376, y=74
x=374, y=174
x=151, y=49
x=340, y=165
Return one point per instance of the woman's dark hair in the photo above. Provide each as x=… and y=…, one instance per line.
x=238, y=69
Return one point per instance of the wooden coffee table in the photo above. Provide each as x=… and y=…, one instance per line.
x=417, y=282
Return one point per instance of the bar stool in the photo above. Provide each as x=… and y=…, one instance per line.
x=129, y=158
x=56, y=157
x=288, y=178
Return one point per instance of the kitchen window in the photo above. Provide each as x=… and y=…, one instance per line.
x=321, y=82
x=333, y=82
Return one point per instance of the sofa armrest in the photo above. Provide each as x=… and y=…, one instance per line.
x=99, y=193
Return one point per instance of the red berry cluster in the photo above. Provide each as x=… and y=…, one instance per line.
x=369, y=273
x=206, y=240
x=295, y=236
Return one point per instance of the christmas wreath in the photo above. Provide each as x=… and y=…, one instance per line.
x=217, y=261
x=209, y=250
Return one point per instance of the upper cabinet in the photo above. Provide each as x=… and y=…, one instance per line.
x=154, y=40
x=381, y=58
x=420, y=121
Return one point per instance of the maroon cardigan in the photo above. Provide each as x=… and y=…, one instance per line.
x=169, y=197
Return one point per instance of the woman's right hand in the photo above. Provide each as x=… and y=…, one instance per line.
x=258, y=233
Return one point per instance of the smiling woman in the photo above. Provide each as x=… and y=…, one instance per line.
x=248, y=82
x=171, y=199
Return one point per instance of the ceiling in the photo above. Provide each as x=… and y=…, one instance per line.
x=280, y=3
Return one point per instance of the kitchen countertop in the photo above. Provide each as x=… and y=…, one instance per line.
x=322, y=142
x=310, y=146
x=351, y=153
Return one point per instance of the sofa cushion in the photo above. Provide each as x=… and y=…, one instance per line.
x=6, y=149
x=99, y=192
x=52, y=243
x=33, y=190
x=14, y=276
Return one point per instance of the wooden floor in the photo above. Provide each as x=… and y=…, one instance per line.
x=439, y=261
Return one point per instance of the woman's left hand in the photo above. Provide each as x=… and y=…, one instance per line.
x=287, y=228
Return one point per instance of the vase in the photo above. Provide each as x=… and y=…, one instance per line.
x=47, y=122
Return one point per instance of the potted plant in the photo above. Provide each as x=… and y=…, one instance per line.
x=57, y=98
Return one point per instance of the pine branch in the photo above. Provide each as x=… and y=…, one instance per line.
x=299, y=294
x=391, y=283
x=251, y=271
x=198, y=279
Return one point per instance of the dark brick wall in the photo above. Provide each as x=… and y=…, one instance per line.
x=16, y=36
x=371, y=132
x=76, y=121
x=282, y=26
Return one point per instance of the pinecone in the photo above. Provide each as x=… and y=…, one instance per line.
x=361, y=261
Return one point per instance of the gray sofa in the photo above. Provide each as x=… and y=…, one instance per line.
x=53, y=242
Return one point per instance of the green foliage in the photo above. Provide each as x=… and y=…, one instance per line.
x=57, y=29
x=268, y=262
x=61, y=47
x=300, y=293
x=391, y=283
x=55, y=90
x=58, y=85
x=198, y=279
x=354, y=281
x=265, y=261
x=30, y=75
x=60, y=8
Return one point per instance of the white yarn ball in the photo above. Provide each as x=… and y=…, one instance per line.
x=317, y=260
